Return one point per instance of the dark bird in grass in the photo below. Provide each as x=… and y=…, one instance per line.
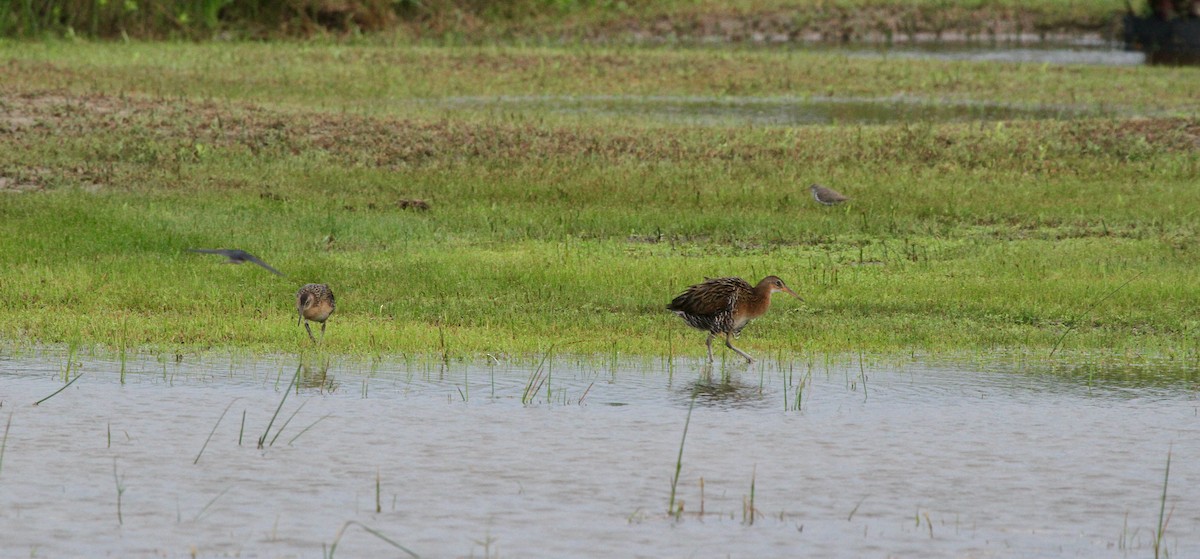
x=314, y=302
x=827, y=196
x=413, y=204
x=237, y=256
x=723, y=306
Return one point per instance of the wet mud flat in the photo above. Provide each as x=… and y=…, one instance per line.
x=570, y=457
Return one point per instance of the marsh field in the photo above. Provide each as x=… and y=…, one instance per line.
x=996, y=352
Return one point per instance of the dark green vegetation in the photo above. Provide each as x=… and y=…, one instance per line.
x=575, y=231
x=475, y=20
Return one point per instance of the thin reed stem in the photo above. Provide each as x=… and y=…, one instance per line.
x=671, y=505
x=373, y=532
x=1163, y=517
x=285, y=423
x=4, y=442
x=1075, y=320
x=55, y=393
x=214, y=430
x=305, y=430
x=267, y=431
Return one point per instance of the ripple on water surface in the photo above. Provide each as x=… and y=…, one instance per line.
x=905, y=461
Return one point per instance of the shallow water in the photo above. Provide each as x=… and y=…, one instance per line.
x=882, y=461
x=762, y=111
x=817, y=109
x=1082, y=50
x=1103, y=56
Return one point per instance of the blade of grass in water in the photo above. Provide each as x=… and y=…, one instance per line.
x=1163, y=516
x=64, y=387
x=210, y=503
x=4, y=442
x=672, y=508
x=283, y=399
x=285, y=423
x=305, y=430
x=214, y=430
x=369, y=530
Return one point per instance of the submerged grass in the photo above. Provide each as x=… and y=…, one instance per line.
x=263, y=439
x=119, y=481
x=63, y=387
x=1164, y=517
x=675, y=508
x=342, y=531
x=960, y=236
x=4, y=441
x=210, y=433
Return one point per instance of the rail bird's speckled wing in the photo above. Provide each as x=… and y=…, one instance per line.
x=327, y=293
x=712, y=297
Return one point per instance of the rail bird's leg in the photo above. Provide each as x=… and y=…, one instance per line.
x=709, y=343
x=322, y=332
x=729, y=344
x=310, y=336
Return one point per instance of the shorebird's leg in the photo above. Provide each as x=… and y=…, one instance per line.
x=729, y=344
x=310, y=336
x=709, y=343
x=322, y=332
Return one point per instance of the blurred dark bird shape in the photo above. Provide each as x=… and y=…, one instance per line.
x=237, y=256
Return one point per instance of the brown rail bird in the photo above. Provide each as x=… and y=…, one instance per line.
x=237, y=256
x=724, y=306
x=826, y=196
x=314, y=302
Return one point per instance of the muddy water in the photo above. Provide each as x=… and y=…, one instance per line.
x=886, y=461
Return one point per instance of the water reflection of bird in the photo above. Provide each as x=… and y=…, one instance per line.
x=314, y=302
x=316, y=375
x=724, y=306
x=827, y=196
x=237, y=256
x=723, y=392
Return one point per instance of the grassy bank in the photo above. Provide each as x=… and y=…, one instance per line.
x=545, y=231
x=557, y=20
x=399, y=80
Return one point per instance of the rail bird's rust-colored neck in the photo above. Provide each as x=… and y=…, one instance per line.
x=756, y=303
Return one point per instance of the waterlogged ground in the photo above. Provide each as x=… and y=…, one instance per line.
x=1103, y=55
x=878, y=461
x=761, y=111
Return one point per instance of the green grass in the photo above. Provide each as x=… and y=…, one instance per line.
x=575, y=232
x=525, y=20
x=405, y=81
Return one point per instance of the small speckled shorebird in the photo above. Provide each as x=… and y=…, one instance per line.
x=725, y=305
x=827, y=196
x=314, y=302
x=236, y=256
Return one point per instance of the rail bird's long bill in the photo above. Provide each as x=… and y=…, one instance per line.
x=789, y=291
